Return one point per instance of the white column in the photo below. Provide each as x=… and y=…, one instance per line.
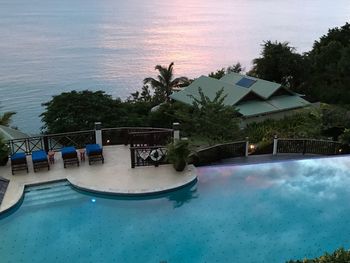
x=98, y=133
x=176, y=128
x=275, y=142
x=246, y=146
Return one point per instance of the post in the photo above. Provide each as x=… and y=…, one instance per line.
x=98, y=133
x=246, y=146
x=46, y=143
x=304, y=147
x=176, y=128
x=132, y=157
x=275, y=142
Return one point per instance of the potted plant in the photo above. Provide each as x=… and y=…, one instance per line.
x=177, y=154
x=4, y=153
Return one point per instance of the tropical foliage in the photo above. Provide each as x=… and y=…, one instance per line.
x=323, y=73
x=79, y=110
x=339, y=256
x=279, y=63
x=304, y=124
x=210, y=119
x=6, y=118
x=177, y=154
x=164, y=84
x=329, y=67
x=236, y=68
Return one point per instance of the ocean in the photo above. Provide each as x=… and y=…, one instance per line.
x=48, y=47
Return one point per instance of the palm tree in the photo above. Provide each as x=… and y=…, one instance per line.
x=164, y=84
x=6, y=118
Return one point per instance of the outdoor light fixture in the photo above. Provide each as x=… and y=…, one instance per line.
x=251, y=146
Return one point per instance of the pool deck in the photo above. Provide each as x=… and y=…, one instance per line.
x=115, y=176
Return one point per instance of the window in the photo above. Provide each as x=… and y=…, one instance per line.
x=245, y=82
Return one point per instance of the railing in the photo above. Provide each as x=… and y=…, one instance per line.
x=310, y=146
x=53, y=142
x=147, y=156
x=26, y=145
x=219, y=152
x=150, y=138
x=111, y=136
x=115, y=136
x=79, y=139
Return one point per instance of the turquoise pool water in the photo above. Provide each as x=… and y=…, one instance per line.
x=254, y=213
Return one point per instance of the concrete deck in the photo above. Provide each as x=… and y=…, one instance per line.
x=115, y=176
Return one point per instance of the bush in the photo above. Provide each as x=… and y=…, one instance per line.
x=4, y=152
x=177, y=154
x=304, y=124
x=345, y=137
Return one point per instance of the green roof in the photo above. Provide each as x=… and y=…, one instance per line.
x=288, y=102
x=252, y=108
x=210, y=87
x=261, y=87
x=265, y=101
x=278, y=103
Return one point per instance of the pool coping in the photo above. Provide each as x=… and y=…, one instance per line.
x=76, y=187
x=114, y=177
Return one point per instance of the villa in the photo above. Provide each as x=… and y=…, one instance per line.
x=255, y=99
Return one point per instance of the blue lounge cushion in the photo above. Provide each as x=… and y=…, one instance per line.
x=93, y=148
x=68, y=150
x=39, y=156
x=18, y=156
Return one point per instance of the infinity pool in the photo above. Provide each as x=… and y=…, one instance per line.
x=255, y=213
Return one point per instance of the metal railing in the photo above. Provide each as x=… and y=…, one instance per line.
x=310, y=146
x=52, y=142
x=78, y=139
x=115, y=136
x=148, y=155
x=218, y=152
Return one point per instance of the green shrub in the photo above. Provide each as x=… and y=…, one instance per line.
x=345, y=137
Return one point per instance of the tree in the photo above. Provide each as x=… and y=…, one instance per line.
x=329, y=67
x=143, y=96
x=6, y=118
x=279, y=63
x=236, y=68
x=165, y=83
x=217, y=74
x=79, y=110
x=210, y=119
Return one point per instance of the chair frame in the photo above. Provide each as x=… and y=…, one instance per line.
x=95, y=156
x=70, y=158
x=19, y=165
x=41, y=164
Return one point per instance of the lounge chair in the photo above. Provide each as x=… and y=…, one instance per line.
x=40, y=160
x=19, y=162
x=94, y=153
x=69, y=156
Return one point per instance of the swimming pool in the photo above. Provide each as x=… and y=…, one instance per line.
x=254, y=213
